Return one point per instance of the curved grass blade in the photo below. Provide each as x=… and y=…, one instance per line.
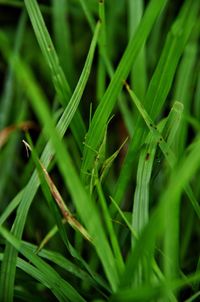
x=160, y=85
x=184, y=80
x=51, y=188
x=101, y=116
x=172, y=232
x=56, y=258
x=61, y=288
x=84, y=205
x=80, y=197
x=93, y=278
x=180, y=176
x=104, y=63
x=26, y=196
x=61, y=85
x=144, y=171
x=110, y=228
x=165, y=148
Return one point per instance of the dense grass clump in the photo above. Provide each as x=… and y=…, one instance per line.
x=99, y=150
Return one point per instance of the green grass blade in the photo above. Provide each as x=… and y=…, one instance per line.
x=165, y=147
x=69, y=266
x=184, y=81
x=108, y=101
x=197, y=98
x=138, y=82
x=63, y=39
x=105, y=62
x=141, y=196
x=53, y=196
x=181, y=175
x=160, y=84
x=140, y=216
x=8, y=270
x=80, y=197
x=128, y=224
x=11, y=207
x=87, y=13
x=110, y=228
x=62, y=289
x=141, y=209
x=59, y=79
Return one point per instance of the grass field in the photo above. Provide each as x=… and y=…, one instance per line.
x=99, y=150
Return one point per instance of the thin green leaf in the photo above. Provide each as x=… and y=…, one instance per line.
x=140, y=82
x=27, y=195
x=108, y=101
x=181, y=175
x=61, y=289
x=160, y=85
x=58, y=77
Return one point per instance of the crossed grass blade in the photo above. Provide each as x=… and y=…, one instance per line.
x=62, y=290
x=26, y=196
x=60, y=82
x=158, y=222
x=101, y=116
x=80, y=197
x=160, y=85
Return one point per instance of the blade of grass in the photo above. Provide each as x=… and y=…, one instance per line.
x=160, y=85
x=140, y=214
x=90, y=276
x=83, y=203
x=50, y=191
x=66, y=213
x=133, y=232
x=172, y=232
x=138, y=82
x=183, y=82
x=105, y=63
x=8, y=269
x=80, y=197
x=86, y=10
x=62, y=34
x=101, y=72
x=108, y=101
x=165, y=148
x=197, y=98
x=110, y=228
x=64, y=263
x=159, y=220
x=61, y=288
x=135, y=235
x=141, y=197
x=93, y=277
x=61, y=85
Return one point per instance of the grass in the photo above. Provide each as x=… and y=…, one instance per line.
x=99, y=151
